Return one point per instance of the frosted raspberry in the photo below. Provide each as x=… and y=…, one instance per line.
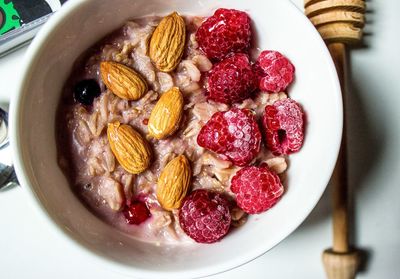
x=284, y=127
x=257, y=189
x=205, y=216
x=232, y=80
x=136, y=213
x=233, y=134
x=274, y=71
x=225, y=32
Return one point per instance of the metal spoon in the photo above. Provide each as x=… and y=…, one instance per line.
x=8, y=177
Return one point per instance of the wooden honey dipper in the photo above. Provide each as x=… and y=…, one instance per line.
x=340, y=23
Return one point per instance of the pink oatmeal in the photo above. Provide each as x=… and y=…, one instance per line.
x=86, y=158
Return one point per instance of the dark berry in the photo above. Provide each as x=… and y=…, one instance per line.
x=86, y=90
x=136, y=213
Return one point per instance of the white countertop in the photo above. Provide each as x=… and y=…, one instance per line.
x=28, y=249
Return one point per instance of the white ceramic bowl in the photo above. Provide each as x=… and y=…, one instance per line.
x=278, y=25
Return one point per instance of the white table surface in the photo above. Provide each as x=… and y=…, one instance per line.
x=28, y=249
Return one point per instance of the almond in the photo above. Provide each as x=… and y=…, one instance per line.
x=166, y=115
x=167, y=42
x=129, y=147
x=173, y=183
x=123, y=81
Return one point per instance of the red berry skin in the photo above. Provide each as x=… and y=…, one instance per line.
x=225, y=32
x=234, y=134
x=232, y=80
x=274, y=71
x=257, y=189
x=205, y=216
x=214, y=135
x=283, y=124
x=136, y=213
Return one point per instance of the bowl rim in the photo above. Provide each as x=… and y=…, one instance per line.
x=95, y=257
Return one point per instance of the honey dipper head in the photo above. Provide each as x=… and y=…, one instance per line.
x=337, y=20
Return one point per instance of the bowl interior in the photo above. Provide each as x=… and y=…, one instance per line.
x=277, y=25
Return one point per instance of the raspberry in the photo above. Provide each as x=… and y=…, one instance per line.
x=205, y=216
x=231, y=80
x=274, y=71
x=233, y=134
x=136, y=213
x=257, y=189
x=225, y=32
x=284, y=127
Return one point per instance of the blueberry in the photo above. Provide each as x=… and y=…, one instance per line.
x=86, y=90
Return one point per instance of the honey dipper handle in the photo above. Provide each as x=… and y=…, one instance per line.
x=340, y=262
x=340, y=190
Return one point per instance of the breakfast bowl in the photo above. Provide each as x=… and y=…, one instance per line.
x=48, y=64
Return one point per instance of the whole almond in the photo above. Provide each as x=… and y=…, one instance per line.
x=166, y=115
x=167, y=42
x=129, y=147
x=123, y=81
x=173, y=183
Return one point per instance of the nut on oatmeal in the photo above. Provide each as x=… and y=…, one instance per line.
x=123, y=81
x=167, y=42
x=129, y=147
x=173, y=183
x=166, y=115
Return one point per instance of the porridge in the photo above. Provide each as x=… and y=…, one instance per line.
x=169, y=132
